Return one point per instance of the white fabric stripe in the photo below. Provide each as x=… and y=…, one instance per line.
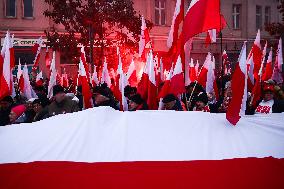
x=106, y=135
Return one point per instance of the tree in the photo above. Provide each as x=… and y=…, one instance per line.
x=277, y=29
x=103, y=24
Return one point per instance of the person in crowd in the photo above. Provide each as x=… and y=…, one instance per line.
x=129, y=91
x=5, y=108
x=30, y=113
x=17, y=114
x=103, y=96
x=226, y=99
x=212, y=102
x=201, y=101
x=171, y=102
x=136, y=103
x=61, y=104
x=80, y=96
x=192, y=91
x=37, y=108
x=42, y=95
x=268, y=104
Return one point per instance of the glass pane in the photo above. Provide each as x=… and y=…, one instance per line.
x=157, y=3
x=163, y=2
x=157, y=17
x=163, y=17
x=10, y=8
x=28, y=8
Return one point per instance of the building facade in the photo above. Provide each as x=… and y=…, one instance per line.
x=25, y=19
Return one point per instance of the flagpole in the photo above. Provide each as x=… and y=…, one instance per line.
x=221, y=41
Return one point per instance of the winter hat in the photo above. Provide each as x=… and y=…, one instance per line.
x=136, y=98
x=202, y=97
x=268, y=88
x=19, y=110
x=103, y=90
x=57, y=89
x=169, y=98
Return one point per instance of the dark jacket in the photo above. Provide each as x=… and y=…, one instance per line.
x=277, y=107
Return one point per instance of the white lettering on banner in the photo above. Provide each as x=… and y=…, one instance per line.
x=23, y=42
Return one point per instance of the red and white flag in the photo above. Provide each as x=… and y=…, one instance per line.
x=211, y=37
x=177, y=80
x=27, y=90
x=86, y=91
x=144, y=39
x=39, y=79
x=52, y=79
x=250, y=68
x=277, y=71
x=152, y=88
x=202, y=75
x=201, y=16
x=237, y=105
x=107, y=149
x=36, y=49
x=6, y=77
x=132, y=75
x=47, y=59
x=177, y=20
x=268, y=68
x=105, y=75
x=95, y=80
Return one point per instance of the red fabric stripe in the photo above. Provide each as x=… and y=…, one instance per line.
x=244, y=173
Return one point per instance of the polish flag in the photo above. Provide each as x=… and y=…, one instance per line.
x=103, y=148
x=237, y=106
x=123, y=82
x=6, y=83
x=131, y=74
x=47, y=59
x=52, y=79
x=268, y=68
x=142, y=88
x=177, y=80
x=201, y=16
x=177, y=20
x=202, y=77
x=86, y=91
x=211, y=37
x=250, y=68
x=193, y=74
x=84, y=61
x=144, y=39
x=36, y=49
x=95, y=80
x=257, y=55
x=64, y=80
x=152, y=88
x=39, y=79
x=20, y=77
x=165, y=90
x=27, y=90
x=105, y=75
x=277, y=71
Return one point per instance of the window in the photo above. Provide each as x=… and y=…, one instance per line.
x=258, y=20
x=10, y=8
x=28, y=8
x=160, y=14
x=267, y=15
x=236, y=16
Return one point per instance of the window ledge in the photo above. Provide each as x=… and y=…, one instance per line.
x=11, y=17
x=28, y=18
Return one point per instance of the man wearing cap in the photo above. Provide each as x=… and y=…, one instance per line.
x=136, y=103
x=103, y=96
x=201, y=103
x=60, y=105
x=171, y=102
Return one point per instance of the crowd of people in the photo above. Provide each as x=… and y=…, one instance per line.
x=70, y=99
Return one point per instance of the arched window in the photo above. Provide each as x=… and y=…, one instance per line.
x=28, y=8
x=10, y=8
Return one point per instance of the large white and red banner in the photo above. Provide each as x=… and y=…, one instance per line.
x=104, y=148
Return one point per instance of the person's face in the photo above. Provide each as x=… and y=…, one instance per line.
x=100, y=99
x=59, y=97
x=29, y=105
x=37, y=107
x=169, y=105
x=268, y=95
x=132, y=105
x=12, y=116
x=200, y=105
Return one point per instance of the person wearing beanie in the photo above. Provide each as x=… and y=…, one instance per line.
x=61, y=104
x=5, y=108
x=171, y=102
x=201, y=103
x=269, y=104
x=129, y=91
x=103, y=96
x=17, y=114
x=136, y=103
